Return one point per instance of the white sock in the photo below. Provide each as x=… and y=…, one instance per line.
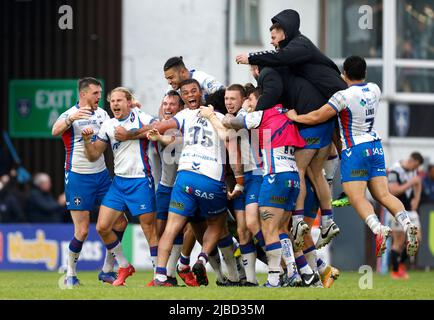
x=287, y=253
x=274, y=257
x=173, y=259
x=231, y=263
x=109, y=262
x=373, y=223
x=403, y=219
x=71, y=268
x=118, y=254
x=321, y=265
x=311, y=258
x=248, y=253
x=215, y=263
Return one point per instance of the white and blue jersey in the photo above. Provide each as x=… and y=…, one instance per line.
x=169, y=166
x=75, y=159
x=357, y=107
x=362, y=151
x=203, y=152
x=199, y=187
x=207, y=83
x=86, y=183
x=130, y=156
x=133, y=185
x=252, y=171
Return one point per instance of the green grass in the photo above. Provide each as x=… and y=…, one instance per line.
x=44, y=285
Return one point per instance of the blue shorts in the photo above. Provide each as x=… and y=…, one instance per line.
x=318, y=136
x=162, y=201
x=311, y=202
x=252, y=185
x=85, y=191
x=194, y=191
x=280, y=190
x=136, y=194
x=363, y=162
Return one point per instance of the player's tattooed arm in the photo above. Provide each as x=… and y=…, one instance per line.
x=93, y=150
x=231, y=122
x=234, y=151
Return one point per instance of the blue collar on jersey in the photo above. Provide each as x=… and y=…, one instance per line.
x=359, y=84
x=125, y=117
x=191, y=73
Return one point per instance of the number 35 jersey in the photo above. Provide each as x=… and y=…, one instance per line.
x=203, y=151
x=357, y=107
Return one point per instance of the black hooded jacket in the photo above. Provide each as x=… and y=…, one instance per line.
x=302, y=56
x=280, y=85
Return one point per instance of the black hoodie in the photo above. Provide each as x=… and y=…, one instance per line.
x=302, y=56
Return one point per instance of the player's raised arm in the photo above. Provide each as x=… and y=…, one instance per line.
x=321, y=115
x=92, y=150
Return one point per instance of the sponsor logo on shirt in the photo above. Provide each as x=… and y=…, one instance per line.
x=177, y=205
x=359, y=173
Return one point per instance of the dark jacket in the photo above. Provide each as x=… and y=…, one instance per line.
x=280, y=85
x=302, y=56
x=42, y=207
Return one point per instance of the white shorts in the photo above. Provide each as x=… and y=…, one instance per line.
x=396, y=226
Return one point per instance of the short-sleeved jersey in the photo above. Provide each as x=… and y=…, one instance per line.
x=130, y=156
x=251, y=156
x=207, y=83
x=397, y=174
x=279, y=158
x=357, y=107
x=169, y=155
x=75, y=159
x=203, y=151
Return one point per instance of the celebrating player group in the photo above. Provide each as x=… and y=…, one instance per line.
x=261, y=157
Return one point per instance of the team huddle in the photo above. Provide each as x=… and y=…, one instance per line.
x=262, y=158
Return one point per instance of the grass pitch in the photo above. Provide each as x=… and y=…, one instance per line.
x=26, y=285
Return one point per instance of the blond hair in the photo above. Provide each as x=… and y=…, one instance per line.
x=128, y=94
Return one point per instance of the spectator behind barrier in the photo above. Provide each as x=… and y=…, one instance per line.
x=11, y=199
x=41, y=205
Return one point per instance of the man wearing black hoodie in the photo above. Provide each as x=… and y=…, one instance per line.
x=300, y=54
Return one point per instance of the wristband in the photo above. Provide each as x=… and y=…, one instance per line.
x=239, y=187
x=240, y=180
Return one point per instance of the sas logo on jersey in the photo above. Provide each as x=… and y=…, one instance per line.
x=195, y=165
x=77, y=201
x=373, y=152
x=293, y=184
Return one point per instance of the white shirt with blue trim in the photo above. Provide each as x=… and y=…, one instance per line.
x=203, y=152
x=357, y=107
x=131, y=156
